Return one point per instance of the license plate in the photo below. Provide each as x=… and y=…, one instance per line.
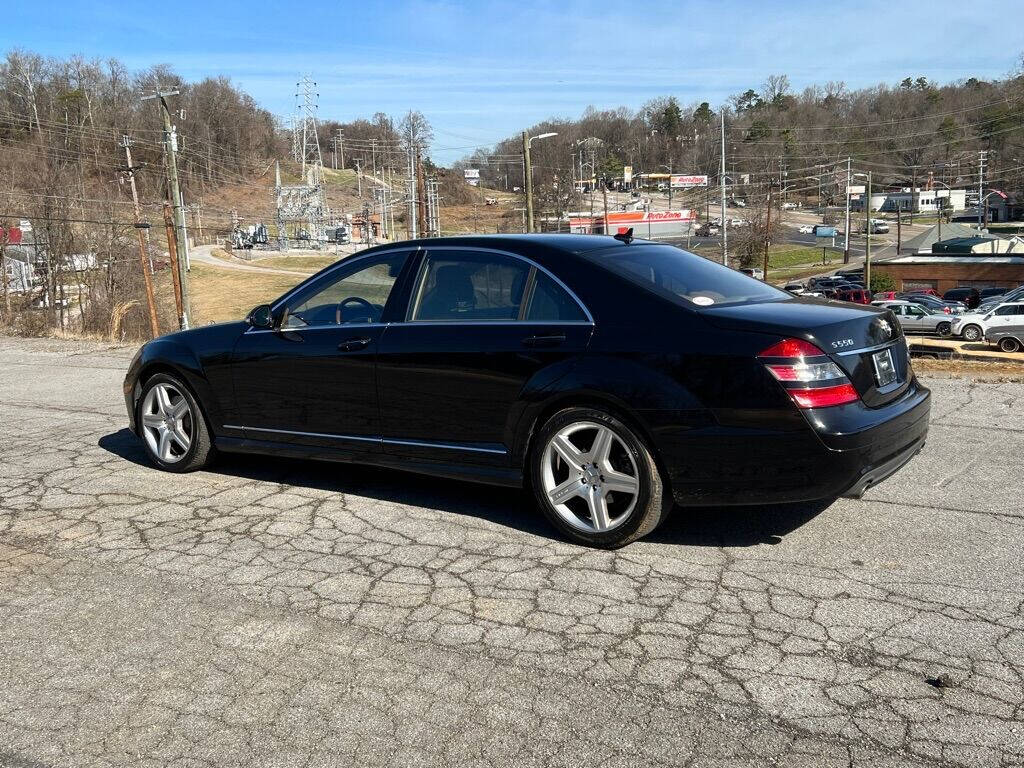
x=885, y=370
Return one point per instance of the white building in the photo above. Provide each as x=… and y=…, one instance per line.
x=928, y=200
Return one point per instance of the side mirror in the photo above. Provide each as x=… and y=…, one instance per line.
x=261, y=317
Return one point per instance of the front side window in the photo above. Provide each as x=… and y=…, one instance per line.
x=683, y=277
x=354, y=295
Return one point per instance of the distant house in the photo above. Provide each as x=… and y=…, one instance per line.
x=20, y=273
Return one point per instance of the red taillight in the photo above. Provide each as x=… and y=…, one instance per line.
x=795, y=363
x=823, y=397
x=792, y=348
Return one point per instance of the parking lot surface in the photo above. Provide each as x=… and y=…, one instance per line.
x=275, y=612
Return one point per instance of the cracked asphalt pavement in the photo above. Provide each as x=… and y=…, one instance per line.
x=276, y=612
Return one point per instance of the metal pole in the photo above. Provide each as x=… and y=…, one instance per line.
x=867, y=237
x=846, y=233
x=981, y=186
x=767, y=233
x=528, y=182
x=725, y=223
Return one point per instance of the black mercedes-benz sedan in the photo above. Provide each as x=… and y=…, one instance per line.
x=611, y=377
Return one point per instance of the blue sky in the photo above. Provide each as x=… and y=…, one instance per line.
x=481, y=70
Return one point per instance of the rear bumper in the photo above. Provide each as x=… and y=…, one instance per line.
x=841, y=451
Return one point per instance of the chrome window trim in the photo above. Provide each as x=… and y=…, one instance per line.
x=449, y=323
x=378, y=440
x=421, y=276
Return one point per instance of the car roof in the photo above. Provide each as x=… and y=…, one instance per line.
x=516, y=242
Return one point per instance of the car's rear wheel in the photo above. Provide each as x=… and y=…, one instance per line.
x=172, y=425
x=943, y=329
x=1009, y=344
x=596, y=480
x=972, y=333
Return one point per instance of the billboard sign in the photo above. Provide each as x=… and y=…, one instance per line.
x=627, y=174
x=679, y=181
x=472, y=176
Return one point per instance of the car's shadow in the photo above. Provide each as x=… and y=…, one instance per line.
x=695, y=526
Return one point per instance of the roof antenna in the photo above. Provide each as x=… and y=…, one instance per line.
x=624, y=237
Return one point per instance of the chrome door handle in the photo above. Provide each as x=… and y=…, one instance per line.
x=353, y=345
x=552, y=340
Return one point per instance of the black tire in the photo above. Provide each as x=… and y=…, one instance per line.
x=201, y=451
x=653, y=500
x=972, y=333
x=1009, y=344
x=944, y=329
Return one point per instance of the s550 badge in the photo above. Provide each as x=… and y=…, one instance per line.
x=842, y=343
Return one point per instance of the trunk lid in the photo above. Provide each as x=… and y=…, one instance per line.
x=860, y=339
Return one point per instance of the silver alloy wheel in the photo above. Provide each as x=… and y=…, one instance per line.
x=168, y=424
x=972, y=333
x=603, y=477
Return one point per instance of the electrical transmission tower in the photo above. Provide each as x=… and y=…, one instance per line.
x=312, y=160
x=302, y=208
x=433, y=211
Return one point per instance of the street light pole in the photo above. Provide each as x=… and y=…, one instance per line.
x=725, y=223
x=528, y=182
x=528, y=175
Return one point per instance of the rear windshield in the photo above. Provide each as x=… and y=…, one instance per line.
x=683, y=277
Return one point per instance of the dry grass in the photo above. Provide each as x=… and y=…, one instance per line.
x=984, y=369
x=308, y=264
x=221, y=295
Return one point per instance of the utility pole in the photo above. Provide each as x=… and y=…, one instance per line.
x=359, y=178
x=913, y=192
x=981, y=188
x=143, y=229
x=340, y=138
x=421, y=196
x=867, y=236
x=528, y=182
x=899, y=229
x=126, y=142
x=174, y=193
x=767, y=232
x=604, y=194
x=846, y=230
x=172, y=251
x=725, y=222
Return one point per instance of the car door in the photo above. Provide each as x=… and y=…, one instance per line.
x=915, y=319
x=481, y=326
x=1002, y=317
x=311, y=380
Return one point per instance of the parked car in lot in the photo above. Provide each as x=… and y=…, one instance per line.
x=927, y=300
x=1009, y=338
x=612, y=377
x=921, y=292
x=795, y=288
x=878, y=296
x=706, y=230
x=757, y=274
x=805, y=229
x=1011, y=294
x=971, y=297
x=974, y=325
x=917, y=319
x=855, y=295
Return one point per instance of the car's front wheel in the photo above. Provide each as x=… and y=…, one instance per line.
x=172, y=426
x=972, y=333
x=943, y=329
x=596, y=480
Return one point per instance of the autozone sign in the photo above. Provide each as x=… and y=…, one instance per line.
x=678, y=181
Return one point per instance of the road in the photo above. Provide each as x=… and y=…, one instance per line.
x=274, y=612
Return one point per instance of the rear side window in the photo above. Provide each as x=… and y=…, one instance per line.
x=684, y=277
x=550, y=303
x=470, y=286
